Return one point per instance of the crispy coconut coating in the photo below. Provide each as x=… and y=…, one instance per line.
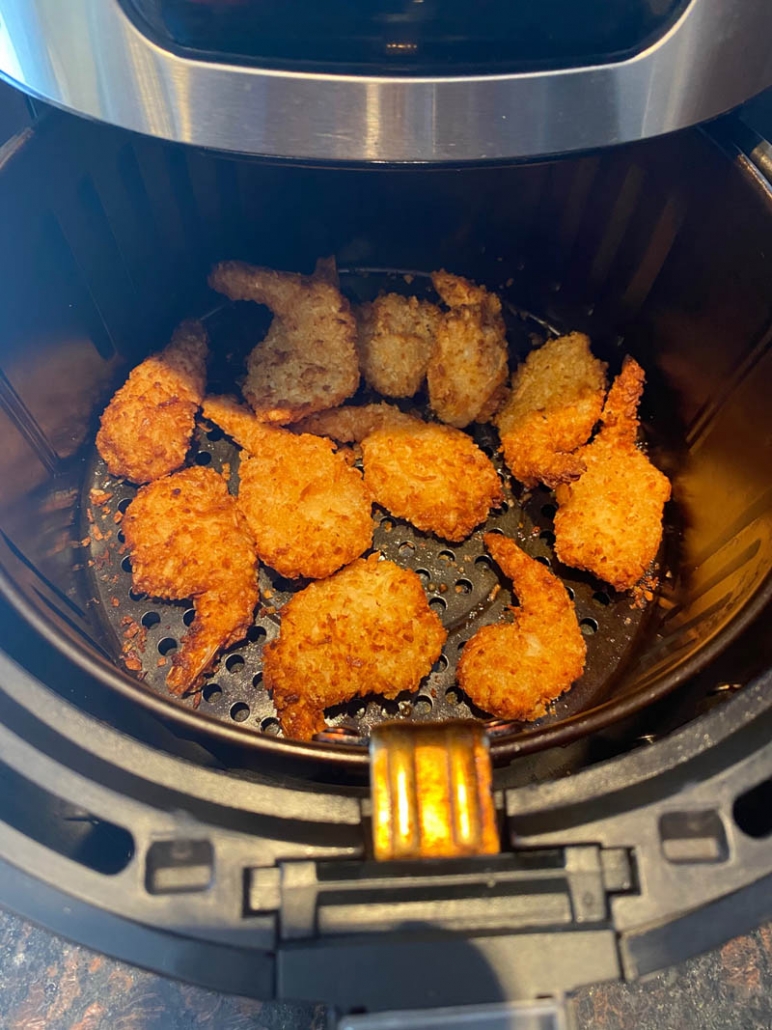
x=609, y=521
x=458, y=292
x=307, y=361
x=366, y=630
x=467, y=371
x=432, y=475
x=396, y=340
x=513, y=670
x=187, y=538
x=308, y=509
x=556, y=399
x=145, y=431
x=352, y=423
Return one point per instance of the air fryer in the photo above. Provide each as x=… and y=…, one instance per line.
x=545, y=237
x=197, y=840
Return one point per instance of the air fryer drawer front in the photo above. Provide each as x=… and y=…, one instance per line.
x=266, y=891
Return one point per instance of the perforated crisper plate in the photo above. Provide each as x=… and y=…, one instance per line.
x=462, y=583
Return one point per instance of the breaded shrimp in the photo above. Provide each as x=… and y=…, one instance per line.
x=458, y=292
x=467, y=371
x=307, y=361
x=432, y=475
x=367, y=630
x=556, y=399
x=308, y=510
x=513, y=670
x=187, y=538
x=241, y=424
x=351, y=424
x=146, y=429
x=609, y=521
x=396, y=339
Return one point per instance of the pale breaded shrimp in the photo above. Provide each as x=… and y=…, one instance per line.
x=467, y=371
x=352, y=423
x=307, y=361
x=395, y=342
x=458, y=292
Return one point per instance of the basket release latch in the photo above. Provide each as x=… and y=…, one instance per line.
x=432, y=791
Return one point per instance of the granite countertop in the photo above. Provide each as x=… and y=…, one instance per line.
x=46, y=983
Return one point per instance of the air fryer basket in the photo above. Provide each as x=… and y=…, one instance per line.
x=107, y=246
x=462, y=583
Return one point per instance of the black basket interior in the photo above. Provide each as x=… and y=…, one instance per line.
x=108, y=239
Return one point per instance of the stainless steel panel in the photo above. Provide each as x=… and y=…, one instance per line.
x=87, y=56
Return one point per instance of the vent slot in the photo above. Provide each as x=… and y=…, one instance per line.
x=71, y=831
x=752, y=811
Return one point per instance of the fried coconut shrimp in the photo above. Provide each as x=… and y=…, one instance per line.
x=434, y=476
x=467, y=371
x=307, y=361
x=396, y=339
x=368, y=629
x=187, y=538
x=308, y=510
x=609, y=521
x=351, y=424
x=556, y=399
x=147, y=426
x=513, y=670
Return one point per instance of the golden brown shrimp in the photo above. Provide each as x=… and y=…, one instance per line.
x=556, y=399
x=308, y=509
x=609, y=521
x=367, y=629
x=147, y=427
x=187, y=538
x=432, y=475
x=513, y=670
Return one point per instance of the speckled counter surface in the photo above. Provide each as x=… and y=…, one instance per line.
x=47, y=983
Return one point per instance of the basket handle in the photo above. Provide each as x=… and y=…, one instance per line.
x=431, y=790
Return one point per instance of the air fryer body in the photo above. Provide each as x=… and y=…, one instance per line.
x=203, y=848
x=634, y=827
